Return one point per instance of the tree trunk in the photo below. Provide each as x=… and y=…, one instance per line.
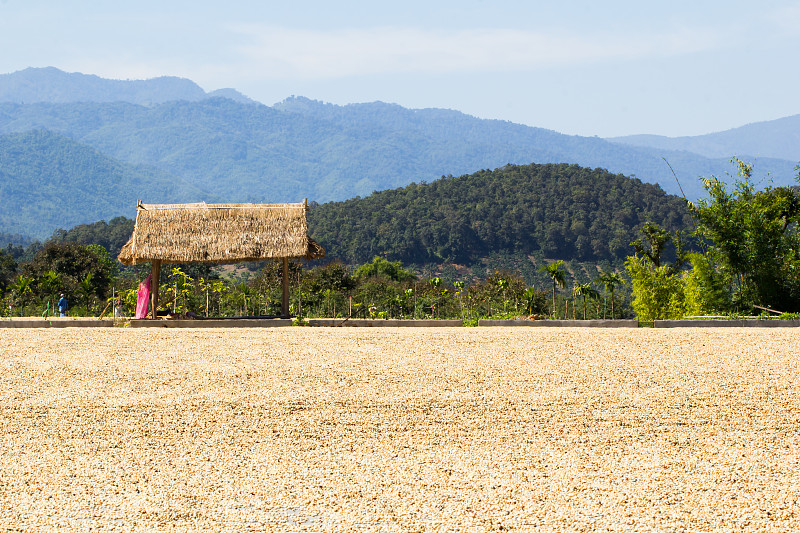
x=612, y=305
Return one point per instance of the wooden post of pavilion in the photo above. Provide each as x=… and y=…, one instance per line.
x=285, y=283
x=155, y=277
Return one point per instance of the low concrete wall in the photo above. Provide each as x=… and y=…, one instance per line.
x=726, y=323
x=211, y=323
x=563, y=323
x=381, y=323
x=56, y=323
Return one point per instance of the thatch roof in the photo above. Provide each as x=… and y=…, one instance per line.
x=219, y=233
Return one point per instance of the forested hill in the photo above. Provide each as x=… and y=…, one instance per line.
x=49, y=181
x=559, y=211
x=564, y=211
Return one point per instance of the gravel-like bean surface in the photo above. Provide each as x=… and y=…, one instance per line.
x=400, y=429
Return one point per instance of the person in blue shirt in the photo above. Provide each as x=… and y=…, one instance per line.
x=63, y=306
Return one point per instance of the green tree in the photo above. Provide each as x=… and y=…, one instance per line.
x=657, y=290
x=553, y=270
x=218, y=289
x=502, y=284
x=584, y=290
x=86, y=288
x=182, y=286
x=21, y=289
x=242, y=293
x=610, y=281
x=752, y=236
x=50, y=284
x=704, y=287
x=655, y=238
x=459, y=288
x=8, y=268
x=73, y=262
x=334, y=276
x=382, y=267
x=535, y=301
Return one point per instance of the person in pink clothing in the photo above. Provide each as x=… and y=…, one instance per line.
x=143, y=299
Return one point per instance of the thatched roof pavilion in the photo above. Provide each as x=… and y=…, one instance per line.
x=219, y=233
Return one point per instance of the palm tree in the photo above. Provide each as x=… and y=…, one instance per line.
x=21, y=288
x=502, y=284
x=610, y=280
x=530, y=299
x=585, y=289
x=459, y=286
x=50, y=282
x=435, y=282
x=86, y=287
x=557, y=275
x=243, y=292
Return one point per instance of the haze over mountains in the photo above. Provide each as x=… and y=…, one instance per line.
x=52, y=85
x=779, y=139
x=111, y=142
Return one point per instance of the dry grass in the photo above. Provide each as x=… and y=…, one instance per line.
x=468, y=429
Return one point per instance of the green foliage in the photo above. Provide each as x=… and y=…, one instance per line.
x=73, y=269
x=8, y=268
x=182, y=286
x=752, y=255
x=585, y=290
x=112, y=236
x=21, y=289
x=704, y=288
x=655, y=238
x=242, y=293
x=14, y=239
x=335, y=276
x=378, y=289
x=657, y=290
x=86, y=287
x=753, y=238
x=382, y=267
x=610, y=281
x=535, y=301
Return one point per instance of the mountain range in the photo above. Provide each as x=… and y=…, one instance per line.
x=78, y=148
x=52, y=85
x=778, y=139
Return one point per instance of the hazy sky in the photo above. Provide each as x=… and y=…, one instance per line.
x=581, y=67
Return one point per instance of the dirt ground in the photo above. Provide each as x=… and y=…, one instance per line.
x=400, y=429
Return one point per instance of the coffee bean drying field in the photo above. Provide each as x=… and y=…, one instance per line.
x=400, y=429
